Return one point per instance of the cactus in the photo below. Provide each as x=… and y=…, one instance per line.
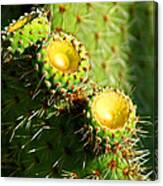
x=64, y=62
x=61, y=118
x=105, y=26
x=26, y=31
x=112, y=137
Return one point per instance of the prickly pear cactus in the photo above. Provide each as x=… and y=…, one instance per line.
x=67, y=111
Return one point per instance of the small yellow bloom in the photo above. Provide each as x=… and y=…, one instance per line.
x=20, y=23
x=63, y=56
x=111, y=109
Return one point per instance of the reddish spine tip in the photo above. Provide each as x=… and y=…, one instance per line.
x=62, y=9
x=112, y=164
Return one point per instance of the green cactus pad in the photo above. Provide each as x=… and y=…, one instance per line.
x=113, y=166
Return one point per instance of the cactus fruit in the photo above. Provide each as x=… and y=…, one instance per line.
x=64, y=61
x=27, y=31
x=113, y=139
x=59, y=119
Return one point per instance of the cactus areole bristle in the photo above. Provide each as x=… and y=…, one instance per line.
x=111, y=109
x=63, y=56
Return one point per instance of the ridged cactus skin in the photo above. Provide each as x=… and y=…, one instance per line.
x=66, y=110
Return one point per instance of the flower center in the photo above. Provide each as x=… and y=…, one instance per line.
x=62, y=56
x=60, y=61
x=111, y=109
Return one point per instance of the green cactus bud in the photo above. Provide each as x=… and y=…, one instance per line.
x=65, y=60
x=27, y=31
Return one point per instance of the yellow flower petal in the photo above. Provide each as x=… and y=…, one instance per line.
x=63, y=56
x=111, y=109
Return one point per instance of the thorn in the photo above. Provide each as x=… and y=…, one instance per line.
x=112, y=164
x=78, y=19
x=11, y=40
x=62, y=8
x=105, y=18
x=20, y=42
